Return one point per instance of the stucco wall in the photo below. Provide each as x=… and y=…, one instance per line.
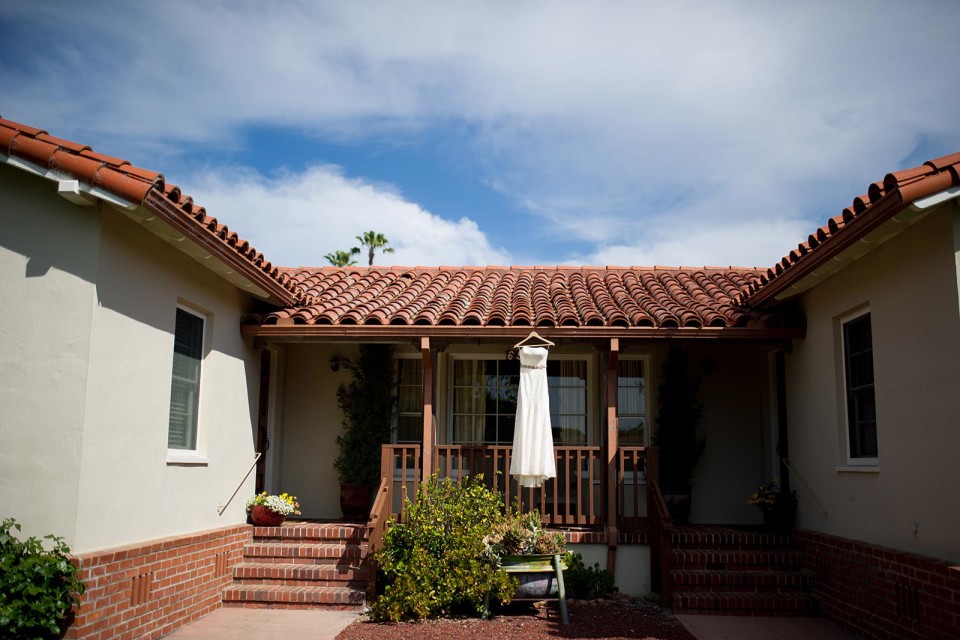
x=128, y=489
x=48, y=266
x=736, y=425
x=311, y=423
x=910, y=285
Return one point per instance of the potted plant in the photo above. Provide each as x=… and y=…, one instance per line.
x=778, y=506
x=271, y=510
x=520, y=545
x=677, y=420
x=367, y=405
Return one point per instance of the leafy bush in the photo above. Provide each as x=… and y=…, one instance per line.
x=587, y=583
x=37, y=587
x=433, y=563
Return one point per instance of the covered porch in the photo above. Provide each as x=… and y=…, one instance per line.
x=455, y=389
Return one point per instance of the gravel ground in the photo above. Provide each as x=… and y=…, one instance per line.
x=609, y=619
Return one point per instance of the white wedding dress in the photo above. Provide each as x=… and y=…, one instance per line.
x=533, y=460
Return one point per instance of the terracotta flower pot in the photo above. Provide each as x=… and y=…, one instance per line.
x=355, y=500
x=261, y=516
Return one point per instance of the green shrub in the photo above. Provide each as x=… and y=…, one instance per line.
x=433, y=563
x=587, y=583
x=37, y=587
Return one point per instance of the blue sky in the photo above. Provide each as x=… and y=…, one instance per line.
x=628, y=133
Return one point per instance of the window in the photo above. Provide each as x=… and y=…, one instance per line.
x=631, y=402
x=409, y=417
x=185, y=381
x=485, y=400
x=860, y=394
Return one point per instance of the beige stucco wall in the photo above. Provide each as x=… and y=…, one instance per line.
x=910, y=285
x=48, y=267
x=85, y=362
x=736, y=426
x=311, y=423
x=128, y=490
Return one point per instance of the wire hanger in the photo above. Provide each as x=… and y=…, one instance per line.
x=533, y=334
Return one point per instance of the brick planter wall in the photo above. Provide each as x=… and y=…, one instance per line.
x=150, y=589
x=882, y=593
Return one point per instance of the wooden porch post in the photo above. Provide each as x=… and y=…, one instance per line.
x=612, y=444
x=263, y=413
x=426, y=455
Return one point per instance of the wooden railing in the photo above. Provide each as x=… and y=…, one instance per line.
x=379, y=515
x=573, y=499
x=659, y=533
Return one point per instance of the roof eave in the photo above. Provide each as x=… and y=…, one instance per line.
x=167, y=211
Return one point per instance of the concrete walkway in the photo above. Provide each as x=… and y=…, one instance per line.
x=286, y=624
x=749, y=628
x=231, y=623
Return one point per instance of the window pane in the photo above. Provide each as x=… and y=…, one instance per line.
x=632, y=430
x=860, y=390
x=409, y=371
x=569, y=430
x=185, y=381
x=409, y=429
x=630, y=373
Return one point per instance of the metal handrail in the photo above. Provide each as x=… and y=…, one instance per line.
x=223, y=507
x=803, y=485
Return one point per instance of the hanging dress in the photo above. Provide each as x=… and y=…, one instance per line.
x=533, y=460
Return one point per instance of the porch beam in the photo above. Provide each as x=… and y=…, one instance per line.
x=426, y=460
x=611, y=452
x=404, y=333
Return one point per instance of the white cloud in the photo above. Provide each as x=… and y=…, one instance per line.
x=608, y=120
x=296, y=218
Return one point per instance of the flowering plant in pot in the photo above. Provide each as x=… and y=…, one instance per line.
x=271, y=510
x=778, y=506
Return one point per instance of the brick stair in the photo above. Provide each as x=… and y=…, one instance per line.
x=728, y=571
x=302, y=565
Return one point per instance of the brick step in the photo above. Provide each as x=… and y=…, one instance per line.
x=297, y=552
x=730, y=560
x=313, y=532
x=743, y=581
x=324, y=575
x=727, y=538
x=294, y=597
x=745, y=604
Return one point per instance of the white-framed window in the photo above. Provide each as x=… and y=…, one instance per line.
x=408, y=417
x=859, y=391
x=185, y=381
x=633, y=410
x=484, y=392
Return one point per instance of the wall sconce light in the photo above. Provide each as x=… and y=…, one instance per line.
x=334, y=364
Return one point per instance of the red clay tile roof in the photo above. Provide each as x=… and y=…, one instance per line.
x=882, y=201
x=69, y=160
x=658, y=297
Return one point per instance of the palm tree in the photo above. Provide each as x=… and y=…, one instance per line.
x=342, y=258
x=373, y=241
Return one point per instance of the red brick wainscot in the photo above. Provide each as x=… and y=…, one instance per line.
x=150, y=589
x=882, y=593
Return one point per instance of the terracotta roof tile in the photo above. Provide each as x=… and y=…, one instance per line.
x=520, y=296
x=883, y=200
x=149, y=189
